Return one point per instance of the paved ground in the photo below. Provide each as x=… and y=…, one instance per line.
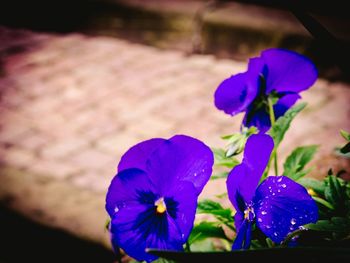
x=71, y=105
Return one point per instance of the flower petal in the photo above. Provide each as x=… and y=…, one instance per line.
x=137, y=227
x=181, y=158
x=244, y=178
x=137, y=155
x=257, y=153
x=125, y=188
x=284, y=103
x=184, y=208
x=282, y=206
x=259, y=118
x=236, y=180
x=243, y=237
x=236, y=93
x=288, y=71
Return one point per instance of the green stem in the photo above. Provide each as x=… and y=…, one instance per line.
x=274, y=152
x=188, y=247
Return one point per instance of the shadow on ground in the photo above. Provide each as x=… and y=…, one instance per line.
x=23, y=240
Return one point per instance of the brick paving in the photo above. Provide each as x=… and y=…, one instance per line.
x=71, y=105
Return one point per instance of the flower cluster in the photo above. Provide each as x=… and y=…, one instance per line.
x=153, y=199
x=276, y=77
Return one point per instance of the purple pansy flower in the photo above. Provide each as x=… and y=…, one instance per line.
x=152, y=200
x=280, y=73
x=278, y=205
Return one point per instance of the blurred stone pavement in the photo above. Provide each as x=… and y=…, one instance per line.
x=71, y=105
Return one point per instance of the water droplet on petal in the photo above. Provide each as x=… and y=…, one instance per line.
x=263, y=212
x=279, y=190
x=116, y=209
x=279, y=179
x=284, y=185
x=293, y=221
x=195, y=174
x=268, y=226
x=259, y=220
x=275, y=234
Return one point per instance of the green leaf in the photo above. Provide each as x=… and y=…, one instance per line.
x=317, y=185
x=162, y=260
x=338, y=151
x=333, y=191
x=222, y=160
x=345, y=135
x=214, y=208
x=296, y=161
x=335, y=224
x=207, y=205
x=205, y=230
x=345, y=149
x=219, y=176
x=282, y=124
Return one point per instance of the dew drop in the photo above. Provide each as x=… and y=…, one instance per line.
x=263, y=212
x=284, y=185
x=275, y=234
x=116, y=209
x=293, y=221
x=279, y=179
x=259, y=220
x=195, y=174
x=273, y=193
x=268, y=226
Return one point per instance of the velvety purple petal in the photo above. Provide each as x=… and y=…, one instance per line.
x=236, y=93
x=259, y=118
x=284, y=103
x=236, y=179
x=136, y=228
x=183, y=212
x=257, y=153
x=181, y=158
x=137, y=155
x=125, y=188
x=243, y=238
x=239, y=218
x=288, y=71
x=282, y=206
x=243, y=180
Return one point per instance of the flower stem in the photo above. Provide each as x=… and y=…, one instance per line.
x=187, y=247
x=273, y=120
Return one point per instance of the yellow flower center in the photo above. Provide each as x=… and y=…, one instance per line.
x=249, y=213
x=160, y=205
x=311, y=192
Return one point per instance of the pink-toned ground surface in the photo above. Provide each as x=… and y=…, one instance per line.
x=71, y=105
